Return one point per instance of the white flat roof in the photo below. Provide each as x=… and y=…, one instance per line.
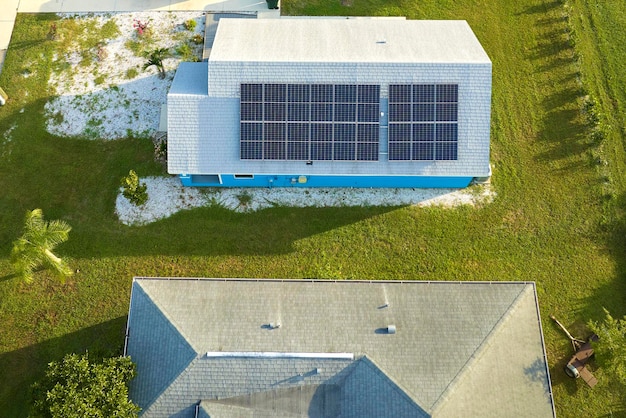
x=347, y=40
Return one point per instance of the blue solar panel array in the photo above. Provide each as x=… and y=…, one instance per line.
x=310, y=122
x=423, y=122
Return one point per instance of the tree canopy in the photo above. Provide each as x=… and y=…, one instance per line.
x=78, y=388
x=611, y=347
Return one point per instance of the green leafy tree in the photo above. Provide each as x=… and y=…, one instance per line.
x=33, y=250
x=156, y=58
x=77, y=388
x=134, y=191
x=611, y=347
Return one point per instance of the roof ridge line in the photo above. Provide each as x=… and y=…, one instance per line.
x=170, y=320
x=398, y=387
x=481, y=347
x=170, y=384
x=169, y=323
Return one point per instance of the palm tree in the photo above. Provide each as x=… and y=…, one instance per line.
x=34, y=248
x=156, y=58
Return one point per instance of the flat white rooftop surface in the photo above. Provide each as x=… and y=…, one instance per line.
x=347, y=40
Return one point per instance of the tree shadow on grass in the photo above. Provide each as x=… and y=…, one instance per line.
x=542, y=8
x=8, y=277
x=590, y=307
x=21, y=368
x=611, y=295
x=564, y=129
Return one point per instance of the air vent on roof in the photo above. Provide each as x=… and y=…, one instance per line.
x=391, y=329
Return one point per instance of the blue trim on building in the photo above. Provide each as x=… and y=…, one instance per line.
x=284, y=180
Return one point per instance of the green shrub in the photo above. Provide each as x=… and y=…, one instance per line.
x=110, y=30
x=611, y=346
x=99, y=80
x=244, y=198
x=185, y=52
x=58, y=118
x=134, y=191
x=197, y=39
x=135, y=46
x=131, y=73
x=190, y=24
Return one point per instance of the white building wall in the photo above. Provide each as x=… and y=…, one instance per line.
x=188, y=145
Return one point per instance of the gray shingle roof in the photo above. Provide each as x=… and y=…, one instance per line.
x=456, y=345
x=158, y=349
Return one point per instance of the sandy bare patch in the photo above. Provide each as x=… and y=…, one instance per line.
x=104, y=93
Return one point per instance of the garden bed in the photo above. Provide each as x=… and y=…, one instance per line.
x=102, y=89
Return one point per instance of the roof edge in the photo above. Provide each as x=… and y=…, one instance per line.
x=543, y=347
x=309, y=280
x=476, y=355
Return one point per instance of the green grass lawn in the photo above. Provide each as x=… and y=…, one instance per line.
x=557, y=218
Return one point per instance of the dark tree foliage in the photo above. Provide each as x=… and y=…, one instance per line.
x=78, y=388
x=611, y=346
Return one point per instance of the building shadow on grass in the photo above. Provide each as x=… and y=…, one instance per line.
x=19, y=369
x=210, y=231
x=78, y=180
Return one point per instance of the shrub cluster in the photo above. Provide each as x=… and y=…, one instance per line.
x=190, y=24
x=134, y=191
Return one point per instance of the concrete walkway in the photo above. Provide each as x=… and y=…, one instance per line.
x=10, y=8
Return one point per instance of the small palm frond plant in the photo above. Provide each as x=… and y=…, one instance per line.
x=33, y=250
x=156, y=57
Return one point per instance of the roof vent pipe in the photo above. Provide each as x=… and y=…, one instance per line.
x=391, y=329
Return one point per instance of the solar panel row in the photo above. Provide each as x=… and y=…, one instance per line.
x=309, y=122
x=329, y=93
x=341, y=122
x=317, y=112
x=423, y=122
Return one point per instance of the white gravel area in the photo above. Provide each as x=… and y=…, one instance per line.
x=103, y=93
x=97, y=97
x=167, y=196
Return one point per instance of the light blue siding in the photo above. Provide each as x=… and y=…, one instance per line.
x=302, y=180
